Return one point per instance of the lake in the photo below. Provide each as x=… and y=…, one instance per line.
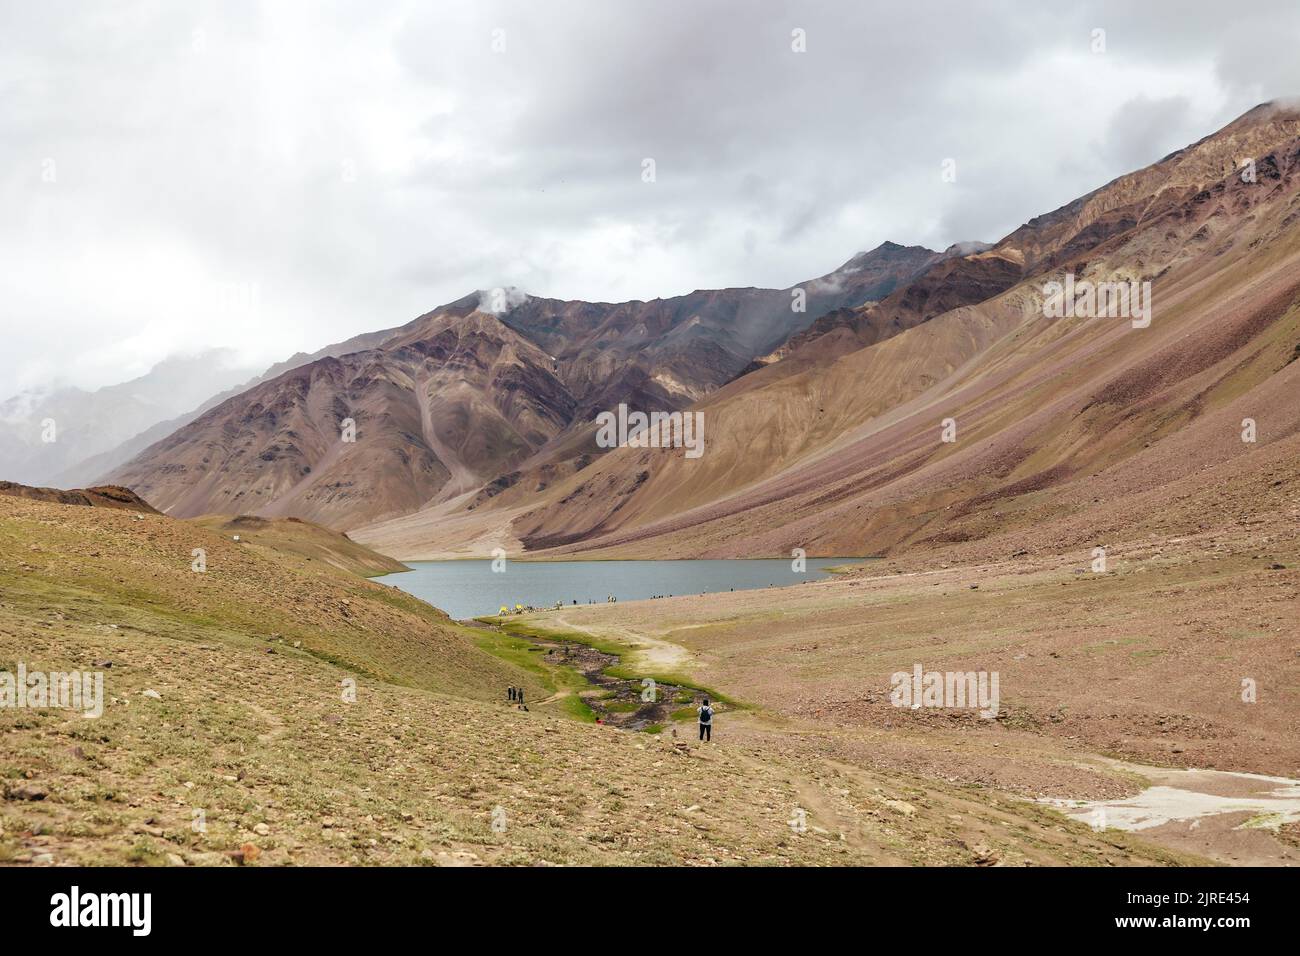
x=467, y=589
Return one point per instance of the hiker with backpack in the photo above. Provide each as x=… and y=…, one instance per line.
x=706, y=721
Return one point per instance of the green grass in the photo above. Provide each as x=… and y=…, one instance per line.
x=138, y=577
x=619, y=650
x=577, y=708
x=555, y=678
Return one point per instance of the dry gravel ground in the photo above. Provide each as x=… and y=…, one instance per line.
x=226, y=738
x=1144, y=663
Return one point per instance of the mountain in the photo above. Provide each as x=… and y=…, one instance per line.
x=97, y=466
x=1065, y=428
x=692, y=344
x=90, y=424
x=475, y=422
x=474, y=394
x=447, y=398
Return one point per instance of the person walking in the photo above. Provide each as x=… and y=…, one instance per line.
x=706, y=721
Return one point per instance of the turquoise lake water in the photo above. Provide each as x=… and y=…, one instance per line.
x=467, y=589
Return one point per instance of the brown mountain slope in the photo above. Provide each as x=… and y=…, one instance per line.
x=958, y=277
x=841, y=454
x=1060, y=239
x=695, y=343
x=464, y=400
x=105, y=463
x=444, y=404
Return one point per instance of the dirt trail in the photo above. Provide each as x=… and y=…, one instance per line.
x=278, y=728
x=644, y=652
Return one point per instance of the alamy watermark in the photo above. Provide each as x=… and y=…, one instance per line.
x=1090, y=300
x=70, y=690
x=953, y=690
x=130, y=910
x=654, y=430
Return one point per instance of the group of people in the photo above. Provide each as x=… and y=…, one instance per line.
x=529, y=608
x=515, y=695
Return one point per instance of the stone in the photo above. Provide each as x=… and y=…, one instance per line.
x=25, y=792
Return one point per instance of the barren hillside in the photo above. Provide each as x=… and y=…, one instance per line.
x=840, y=449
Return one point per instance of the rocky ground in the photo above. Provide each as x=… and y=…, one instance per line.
x=273, y=710
x=1148, y=662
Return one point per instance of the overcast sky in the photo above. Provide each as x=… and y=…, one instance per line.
x=278, y=176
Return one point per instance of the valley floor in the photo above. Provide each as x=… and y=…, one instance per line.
x=1185, y=653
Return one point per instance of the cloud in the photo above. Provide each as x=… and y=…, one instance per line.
x=1144, y=128
x=275, y=176
x=501, y=300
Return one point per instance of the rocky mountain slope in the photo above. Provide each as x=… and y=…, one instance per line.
x=474, y=423
x=839, y=449
x=100, y=464
x=471, y=393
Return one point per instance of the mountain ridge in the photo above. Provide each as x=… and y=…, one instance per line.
x=787, y=429
x=478, y=426
x=564, y=360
